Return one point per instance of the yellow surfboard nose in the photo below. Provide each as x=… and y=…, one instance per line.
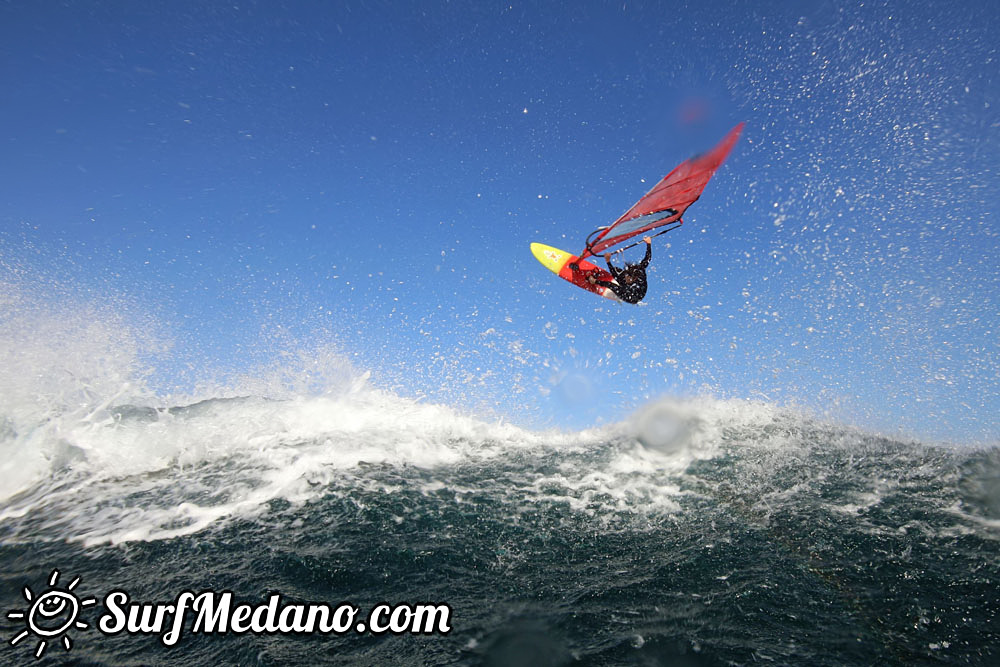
x=551, y=258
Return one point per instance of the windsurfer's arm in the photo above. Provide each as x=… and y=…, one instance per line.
x=649, y=252
x=611, y=267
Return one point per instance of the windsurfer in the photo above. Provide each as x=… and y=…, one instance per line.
x=630, y=281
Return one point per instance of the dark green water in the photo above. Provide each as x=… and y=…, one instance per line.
x=746, y=535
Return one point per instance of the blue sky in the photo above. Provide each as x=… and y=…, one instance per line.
x=271, y=179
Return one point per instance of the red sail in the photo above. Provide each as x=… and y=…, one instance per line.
x=667, y=201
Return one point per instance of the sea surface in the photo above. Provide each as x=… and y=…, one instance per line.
x=697, y=532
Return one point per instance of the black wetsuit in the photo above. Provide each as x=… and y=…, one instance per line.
x=629, y=292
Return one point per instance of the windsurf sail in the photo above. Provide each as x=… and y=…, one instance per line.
x=665, y=204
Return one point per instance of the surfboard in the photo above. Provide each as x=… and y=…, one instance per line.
x=558, y=262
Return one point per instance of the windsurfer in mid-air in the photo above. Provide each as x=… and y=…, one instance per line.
x=630, y=282
x=657, y=212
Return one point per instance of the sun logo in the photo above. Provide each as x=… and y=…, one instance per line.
x=51, y=615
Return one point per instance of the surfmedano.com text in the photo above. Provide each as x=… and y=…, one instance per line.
x=216, y=613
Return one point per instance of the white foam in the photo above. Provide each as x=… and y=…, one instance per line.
x=95, y=457
x=116, y=474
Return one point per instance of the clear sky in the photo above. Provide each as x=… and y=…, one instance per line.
x=263, y=182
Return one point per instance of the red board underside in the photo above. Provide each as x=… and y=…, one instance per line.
x=579, y=277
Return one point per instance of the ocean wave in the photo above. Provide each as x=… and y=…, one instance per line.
x=134, y=472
